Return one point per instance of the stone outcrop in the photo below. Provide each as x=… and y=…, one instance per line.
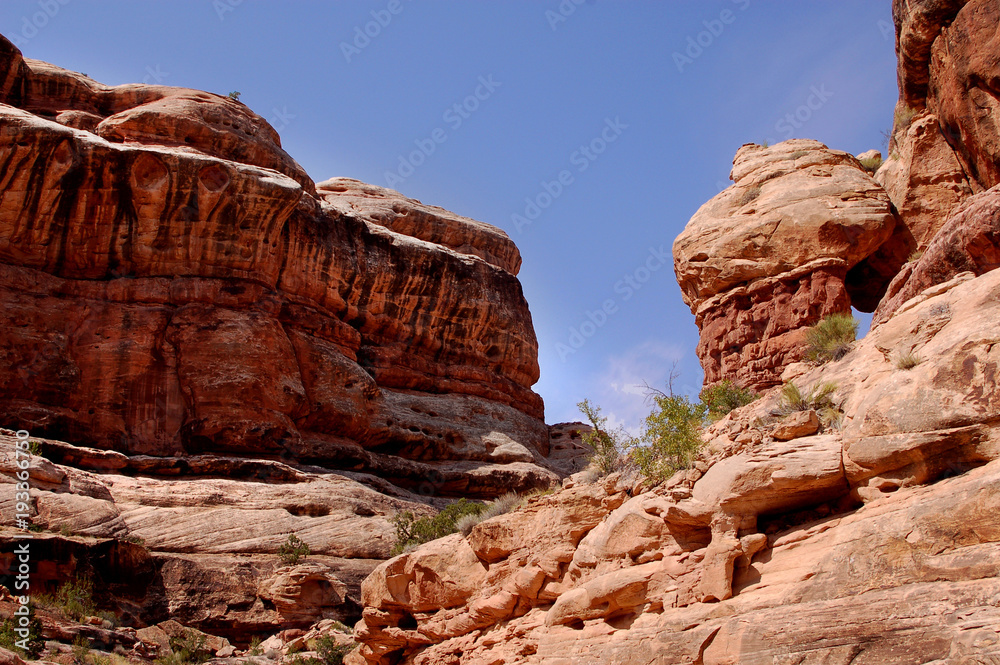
x=963, y=88
x=875, y=541
x=769, y=256
x=182, y=287
x=968, y=242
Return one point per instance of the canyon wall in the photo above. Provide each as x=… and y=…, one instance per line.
x=177, y=285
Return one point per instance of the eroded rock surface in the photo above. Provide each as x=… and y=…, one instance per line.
x=875, y=541
x=769, y=256
x=182, y=287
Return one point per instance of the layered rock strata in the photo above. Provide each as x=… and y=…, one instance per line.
x=769, y=256
x=180, y=286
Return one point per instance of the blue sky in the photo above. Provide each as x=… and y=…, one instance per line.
x=637, y=107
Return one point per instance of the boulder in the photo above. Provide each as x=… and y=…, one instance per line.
x=769, y=256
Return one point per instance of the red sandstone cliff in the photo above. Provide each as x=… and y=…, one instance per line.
x=181, y=286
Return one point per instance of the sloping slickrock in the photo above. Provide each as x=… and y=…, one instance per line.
x=410, y=217
x=209, y=537
x=183, y=288
x=873, y=543
x=769, y=256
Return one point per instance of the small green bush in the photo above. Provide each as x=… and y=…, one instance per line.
x=9, y=638
x=749, y=195
x=81, y=650
x=831, y=338
x=411, y=531
x=74, y=599
x=187, y=650
x=255, y=648
x=908, y=360
x=915, y=255
x=903, y=118
x=609, y=446
x=819, y=398
x=35, y=448
x=235, y=95
x=499, y=506
x=331, y=653
x=672, y=436
x=293, y=550
x=136, y=540
x=725, y=396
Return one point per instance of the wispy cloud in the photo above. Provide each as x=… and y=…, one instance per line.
x=620, y=388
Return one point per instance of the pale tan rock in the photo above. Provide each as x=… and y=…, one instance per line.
x=924, y=180
x=303, y=592
x=790, y=204
x=8, y=657
x=797, y=424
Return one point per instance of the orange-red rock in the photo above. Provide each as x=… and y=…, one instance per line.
x=182, y=286
x=769, y=256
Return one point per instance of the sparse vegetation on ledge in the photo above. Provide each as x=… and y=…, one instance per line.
x=831, y=338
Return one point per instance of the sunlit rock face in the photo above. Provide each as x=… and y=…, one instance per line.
x=768, y=257
x=177, y=284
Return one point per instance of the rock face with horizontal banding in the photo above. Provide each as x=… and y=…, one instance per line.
x=181, y=286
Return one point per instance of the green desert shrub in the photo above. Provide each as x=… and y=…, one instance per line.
x=819, y=398
x=871, y=164
x=412, y=531
x=74, y=599
x=831, y=338
x=189, y=649
x=331, y=653
x=672, y=436
x=499, y=506
x=12, y=641
x=609, y=446
x=670, y=439
x=725, y=396
x=749, y=195
x=293, y=550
